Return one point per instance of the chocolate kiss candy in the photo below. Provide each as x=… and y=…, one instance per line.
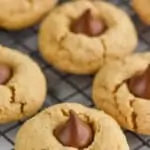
x=74, y=133
x=88, y=25
x=139, y=85
x=5, y=74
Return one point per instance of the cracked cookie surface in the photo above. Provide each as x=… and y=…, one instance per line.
x=37, y=133
x=79, y=53
x=24, y=93
x=18, y=14
x=111, y=93
x=142, y=9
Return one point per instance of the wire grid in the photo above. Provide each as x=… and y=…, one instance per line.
x=63, y=87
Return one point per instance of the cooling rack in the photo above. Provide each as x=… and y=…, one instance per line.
x=64, y=87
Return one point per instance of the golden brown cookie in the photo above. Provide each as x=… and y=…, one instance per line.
x=18, y=14
x=142, y=8
x=79, y=37
x=22, y=86
x=122, y=89
x=71, y=123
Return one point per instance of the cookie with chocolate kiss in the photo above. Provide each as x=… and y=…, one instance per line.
x=70, y=126
x=80, y=37
x=19, y=77
x=75, y=132
x=125, y=84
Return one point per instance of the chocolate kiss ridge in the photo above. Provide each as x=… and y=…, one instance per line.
x=139, y=85
x=87, y=24
x=74, y=133
x=5, y=74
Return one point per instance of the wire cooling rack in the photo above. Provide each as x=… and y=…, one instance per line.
x=62, y=87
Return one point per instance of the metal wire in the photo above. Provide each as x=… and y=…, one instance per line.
x=63, y=87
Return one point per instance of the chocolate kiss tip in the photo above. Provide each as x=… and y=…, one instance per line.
x=139, y=85
x=89, y=25
x=5, y=73
x=74, y=133
x=87, y=12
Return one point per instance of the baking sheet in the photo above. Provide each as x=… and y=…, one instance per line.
x=62, y=87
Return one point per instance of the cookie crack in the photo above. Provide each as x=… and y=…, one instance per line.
x=133, y=116
x=116, y=89
x=13, y=91
x=22, y=107
x=13, y=99
x=64, y=112
x=105, y=50
x=30, y=2
x=118, y=108
x=45, y=149
x=63, y=48
x=62, y=38
x=48, y=113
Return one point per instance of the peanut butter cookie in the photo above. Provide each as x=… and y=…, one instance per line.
x=22, y=86
x=122, y=89
x=18, y=14
x=142, y=9
x=70, y=127
x=79, y=37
